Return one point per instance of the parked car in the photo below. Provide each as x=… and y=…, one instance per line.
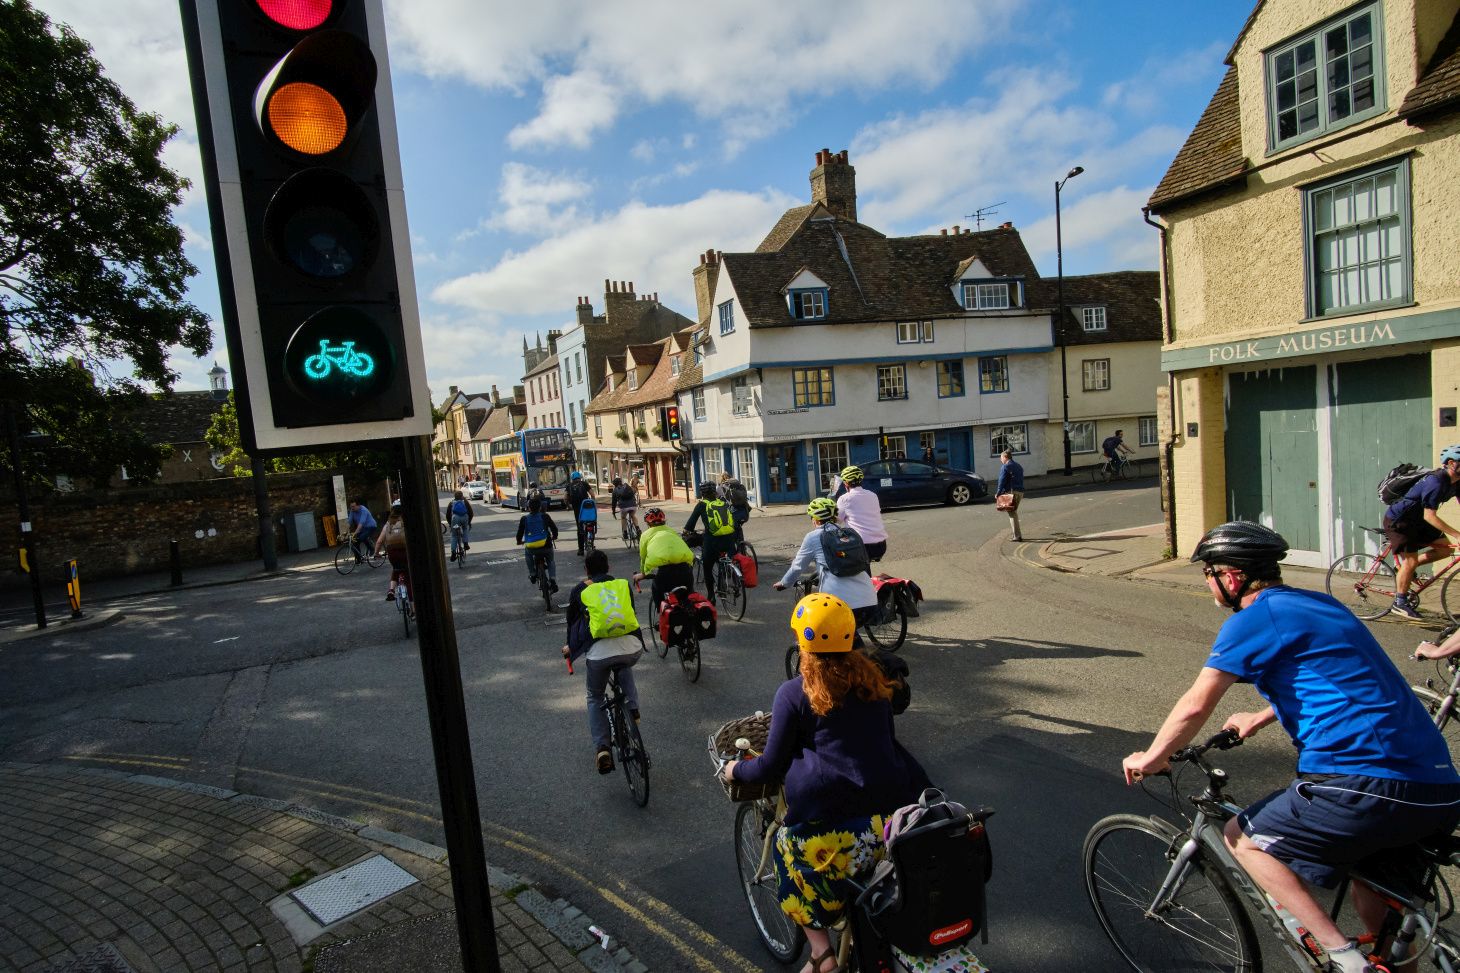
x=908, y=482
x=476, y=490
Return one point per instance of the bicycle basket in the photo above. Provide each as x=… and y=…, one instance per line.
x=755, y=729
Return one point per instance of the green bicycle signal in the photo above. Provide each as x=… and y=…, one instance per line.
x=342, y=356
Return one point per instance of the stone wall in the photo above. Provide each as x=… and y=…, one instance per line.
x=121, y=532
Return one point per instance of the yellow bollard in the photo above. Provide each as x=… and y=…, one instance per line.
x=73, y=586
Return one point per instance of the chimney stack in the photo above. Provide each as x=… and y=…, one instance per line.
x=705, y=276
x=496, y=396
x=834, y=184
x=585, y=311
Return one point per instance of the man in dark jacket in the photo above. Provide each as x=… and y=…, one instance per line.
x=578, y=490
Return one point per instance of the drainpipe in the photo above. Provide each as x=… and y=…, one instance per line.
x=1167, y=478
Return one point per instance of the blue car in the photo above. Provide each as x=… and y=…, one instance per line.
x=909, y=482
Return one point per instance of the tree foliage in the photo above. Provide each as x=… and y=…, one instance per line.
x=92, y=267
x=222, y=435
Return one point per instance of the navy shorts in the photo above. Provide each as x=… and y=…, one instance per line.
x=1319, y=828
x=1410, y=538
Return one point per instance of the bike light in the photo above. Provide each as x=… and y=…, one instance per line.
x=307, y=118
x=297, y=14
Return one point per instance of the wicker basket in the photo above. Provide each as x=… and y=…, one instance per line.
x=755, y=729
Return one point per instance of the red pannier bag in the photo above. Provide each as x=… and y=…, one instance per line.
x=747, y=569
x=678, y=614
x=706, y=617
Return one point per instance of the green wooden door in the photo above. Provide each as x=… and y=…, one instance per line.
x=1380, y=418
x=1272, y=451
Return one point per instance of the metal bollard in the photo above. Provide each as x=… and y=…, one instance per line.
x=174, y=559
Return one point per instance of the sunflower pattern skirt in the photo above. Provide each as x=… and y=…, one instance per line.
x=814, y=860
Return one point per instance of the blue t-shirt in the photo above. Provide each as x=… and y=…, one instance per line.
x=1427, y=494
x=1347, y=708
x=360, y=519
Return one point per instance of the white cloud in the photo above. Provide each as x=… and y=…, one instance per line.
x=1104, y=229
x=1147, y=89
x=653, y=246
x=536, y=201
x=643, y=150
x=748, y=64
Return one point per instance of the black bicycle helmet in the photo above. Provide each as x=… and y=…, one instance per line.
x=1242, y=544
x=708, y=491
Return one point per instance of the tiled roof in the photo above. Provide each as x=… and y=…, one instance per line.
x=658, y=386
x=644, y=354
x=1439, y=86
x=878, y=279
x=548, y=364
x=1131, y=301
x=1212, y=156
x=785, y=228
x=498, y=422
x=474, y=420
x=689, y=377
x=175, y=417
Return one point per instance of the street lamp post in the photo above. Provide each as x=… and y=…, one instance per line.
x=1059, y=321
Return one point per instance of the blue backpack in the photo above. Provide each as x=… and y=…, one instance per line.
x=588, y=511
x=534, y=531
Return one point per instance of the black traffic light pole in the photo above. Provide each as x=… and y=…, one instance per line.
x=446, y=710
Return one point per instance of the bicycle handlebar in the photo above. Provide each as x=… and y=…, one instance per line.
x=1225, y=740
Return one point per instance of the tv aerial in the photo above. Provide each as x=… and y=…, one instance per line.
x=983, y=213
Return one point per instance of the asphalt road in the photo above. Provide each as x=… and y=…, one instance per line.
x=1029, y=686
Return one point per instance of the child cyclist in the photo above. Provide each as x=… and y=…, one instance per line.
x=537, y=533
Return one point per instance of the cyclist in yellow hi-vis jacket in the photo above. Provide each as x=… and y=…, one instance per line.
x=602, y=626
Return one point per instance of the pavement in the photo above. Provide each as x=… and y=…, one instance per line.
x=107, y=871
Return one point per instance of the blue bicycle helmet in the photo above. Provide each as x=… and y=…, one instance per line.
x=575, y=475
x=1449, y=453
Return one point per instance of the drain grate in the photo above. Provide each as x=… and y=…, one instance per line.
x=339, y=894
x=102, y=959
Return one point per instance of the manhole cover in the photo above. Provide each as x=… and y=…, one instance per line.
x=1086, y=553
x=102, y=959
x=339, y=894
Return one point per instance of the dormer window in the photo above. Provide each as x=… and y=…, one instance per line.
x=1092, y=318
x=633, y=379
x=808, y=305
x=674, y=366
x=727, y=317
x=1326, y=79
x=992, y=295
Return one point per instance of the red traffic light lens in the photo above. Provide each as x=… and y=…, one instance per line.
x=297, y=14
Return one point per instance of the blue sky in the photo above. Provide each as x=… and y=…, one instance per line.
x=549, y=146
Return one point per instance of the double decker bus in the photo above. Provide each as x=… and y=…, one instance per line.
x=541, y=456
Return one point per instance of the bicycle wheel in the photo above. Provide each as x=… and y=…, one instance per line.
x=782, y=937
x=545, y=585
x=733, y=589
x=689, y=653
x=405, y=613
x=892, y=630
x=1363, y=583
x=344, y=558
x=1201, y=927
x=461, y=551
x=375, y=559
x=793, y=661
x=662, y=647
x=1448, y=607
x=1451, y=727
x=633, y=757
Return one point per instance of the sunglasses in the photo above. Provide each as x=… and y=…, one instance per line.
x=1213, y=572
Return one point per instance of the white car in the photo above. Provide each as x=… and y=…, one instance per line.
x=476, y=490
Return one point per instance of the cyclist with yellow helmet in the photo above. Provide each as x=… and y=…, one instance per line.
x=832, y=742
x=861, y=510
x=855, y=589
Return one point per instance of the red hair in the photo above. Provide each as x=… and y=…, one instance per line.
x=827, y=678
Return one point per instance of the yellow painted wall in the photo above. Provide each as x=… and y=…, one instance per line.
x=1199, y=461
x=1135, y=374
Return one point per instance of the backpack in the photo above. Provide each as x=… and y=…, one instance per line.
x=718, y=518
x=610, y=609
x=845, y=553
x=588, y=511
x=736, y=493
x=1400, y=480
x=1108, y=446
x=459, y=508
x=534, y=534
x=927, y=897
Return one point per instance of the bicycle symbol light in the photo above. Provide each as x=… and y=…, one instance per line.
x=343, y=357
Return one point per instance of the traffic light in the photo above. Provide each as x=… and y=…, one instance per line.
x=671, y=423
x=302, y=168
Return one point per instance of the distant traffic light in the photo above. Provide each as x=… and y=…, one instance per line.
x=304, y=191
x=671, y=423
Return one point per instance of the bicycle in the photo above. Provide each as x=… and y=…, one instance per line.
x=631, y=530
x=1441, y=704
x=623, y=735
x=403, y=601
x=342, y=356
x=590, y=537
x=1114, y=469
x=544, y=583
x=1170, y=896
x=730, y=590
x=352, y=552
x=458, y=545
x=1365, y=582
x=748, y=549
x=686, y=644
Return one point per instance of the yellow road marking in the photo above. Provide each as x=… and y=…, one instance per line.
x=520, y=842
x=106, y=759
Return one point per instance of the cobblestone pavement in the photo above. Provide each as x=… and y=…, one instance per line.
x=113, y=872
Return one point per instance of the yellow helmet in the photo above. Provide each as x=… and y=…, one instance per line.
x=823, y=623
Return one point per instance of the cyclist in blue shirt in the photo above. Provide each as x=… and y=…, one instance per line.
x=362, y=526
x=1373, y=772
x=1412, y=524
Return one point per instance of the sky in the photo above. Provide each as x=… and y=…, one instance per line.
x=551, y=145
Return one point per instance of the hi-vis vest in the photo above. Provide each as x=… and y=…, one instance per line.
x=610, y=609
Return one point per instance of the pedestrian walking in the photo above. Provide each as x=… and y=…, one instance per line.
x=1010, y=491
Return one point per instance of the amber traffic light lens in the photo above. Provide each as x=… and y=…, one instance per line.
x=307, y=118
x=297, y=14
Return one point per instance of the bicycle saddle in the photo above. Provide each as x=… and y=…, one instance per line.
x=1443, y=849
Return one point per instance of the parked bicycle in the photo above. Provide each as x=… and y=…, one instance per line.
x=623, y=734
x=352, y=553
x=1365, y=582
x=1170, y=896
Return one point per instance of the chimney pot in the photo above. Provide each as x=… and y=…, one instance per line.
x=955, y=230
x=1007, y=226
x=631, y=287
x=703, y=261
x=605, y=285
x=944, y=231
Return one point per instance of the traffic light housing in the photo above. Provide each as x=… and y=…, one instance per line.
x=671, y=424
x=302, y=168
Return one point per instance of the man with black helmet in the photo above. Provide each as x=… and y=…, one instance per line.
x=1373, y=772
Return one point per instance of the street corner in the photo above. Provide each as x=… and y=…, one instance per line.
x=1119, y=553
x=60, y=626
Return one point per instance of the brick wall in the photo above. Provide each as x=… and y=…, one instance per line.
x=121, y=532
